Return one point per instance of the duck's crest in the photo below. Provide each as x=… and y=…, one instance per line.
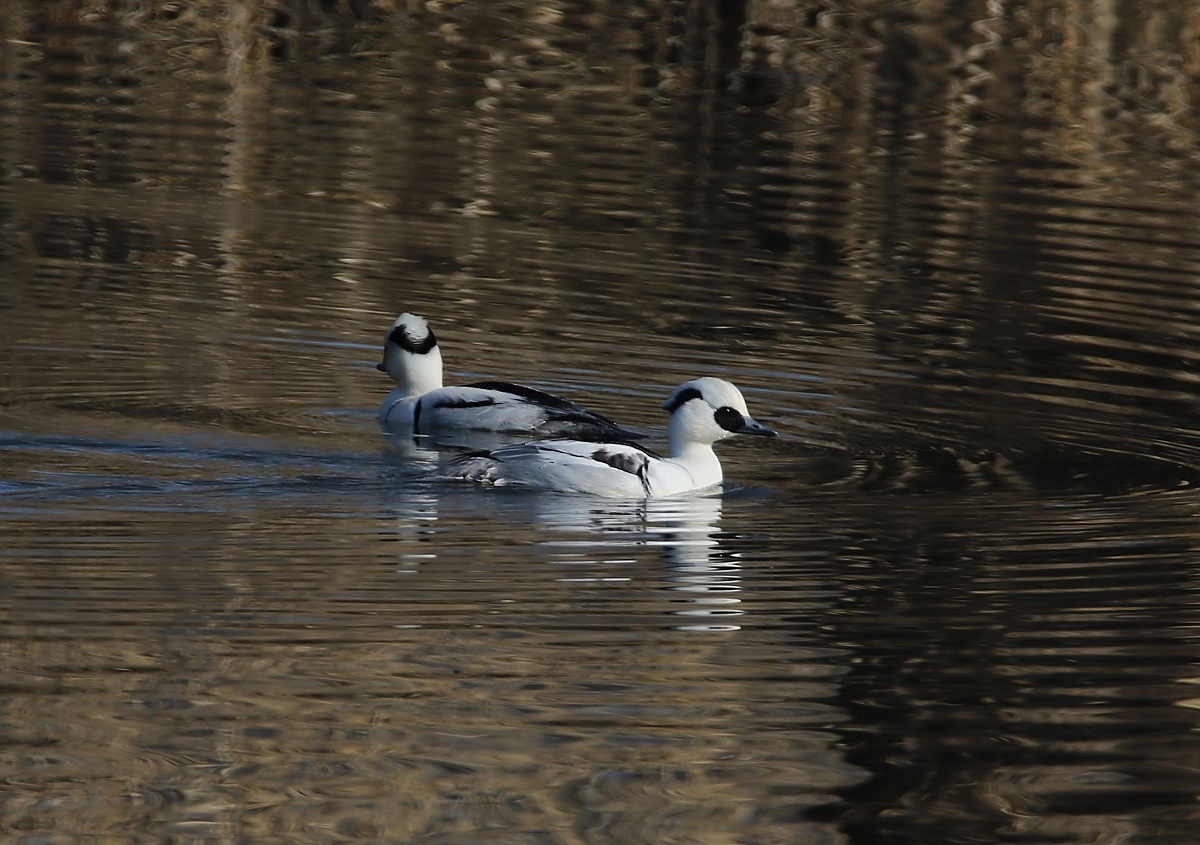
x=412, y=334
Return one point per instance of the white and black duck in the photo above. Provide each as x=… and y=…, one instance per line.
x=421, y=403
x=702, y=412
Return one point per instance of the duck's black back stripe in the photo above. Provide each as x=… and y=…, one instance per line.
x=529, y=394
x=417, y=418
x=466, y=403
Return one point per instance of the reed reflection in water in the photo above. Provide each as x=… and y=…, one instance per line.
x=948, y=252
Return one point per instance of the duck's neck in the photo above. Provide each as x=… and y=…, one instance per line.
x=698, y=459
x=419, y=374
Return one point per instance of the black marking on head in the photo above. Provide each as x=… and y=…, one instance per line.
x=730, y=419
x=683, y=396
x=419, y=346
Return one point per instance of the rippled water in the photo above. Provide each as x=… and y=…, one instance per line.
x=949, y=254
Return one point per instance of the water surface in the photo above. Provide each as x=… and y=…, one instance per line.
x=949, y=254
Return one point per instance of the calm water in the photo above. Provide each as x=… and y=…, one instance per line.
x=950, y=254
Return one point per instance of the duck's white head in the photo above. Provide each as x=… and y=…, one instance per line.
x=411, y=355
x=707, y=410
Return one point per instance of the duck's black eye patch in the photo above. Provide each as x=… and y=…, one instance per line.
x=420, y=346
x=686, y=395
x=730, y=419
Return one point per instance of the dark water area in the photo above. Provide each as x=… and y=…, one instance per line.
x=948, y=251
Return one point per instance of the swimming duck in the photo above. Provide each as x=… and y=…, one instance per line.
x=702, y=412
x=419, y=402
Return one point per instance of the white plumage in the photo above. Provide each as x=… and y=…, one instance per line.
x=703, y=412
x=421, y=404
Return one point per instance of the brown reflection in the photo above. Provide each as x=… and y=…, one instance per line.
x=960, y=237
x=1016, y=682
x=259, y=673
x=982, y=198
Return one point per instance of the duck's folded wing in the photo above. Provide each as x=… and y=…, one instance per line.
x=580, y=458
x=627, y=457
x=565, y=465
x=561, y=417
x=472, y=407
